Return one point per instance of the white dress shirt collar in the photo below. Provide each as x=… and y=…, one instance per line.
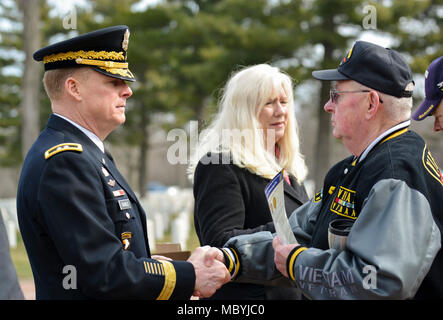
x=88, y=133
x=399, y=126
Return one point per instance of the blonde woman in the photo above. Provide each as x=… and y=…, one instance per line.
x=251, y=139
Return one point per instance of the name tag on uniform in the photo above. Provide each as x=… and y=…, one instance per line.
x=124, y=204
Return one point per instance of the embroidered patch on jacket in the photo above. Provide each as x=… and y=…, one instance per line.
x=126, y=240
x=431, y=166
x=318, y=196
x=63, y=147
x=343, y=203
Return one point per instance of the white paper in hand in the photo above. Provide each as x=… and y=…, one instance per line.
x=274, y=192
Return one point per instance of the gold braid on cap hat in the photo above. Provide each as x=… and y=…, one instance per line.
x=90, y=58
x=123, y=72
x=101, y=63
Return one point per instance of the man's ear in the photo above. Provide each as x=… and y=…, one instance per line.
x=373, y=106
x=72, y=87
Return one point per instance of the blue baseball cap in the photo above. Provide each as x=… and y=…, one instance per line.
x=374, y=66
x=433, y=90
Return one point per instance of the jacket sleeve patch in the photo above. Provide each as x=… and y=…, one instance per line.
x=431, y=166
x=63, y=147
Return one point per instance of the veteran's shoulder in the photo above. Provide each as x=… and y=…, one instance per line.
x=62, y=147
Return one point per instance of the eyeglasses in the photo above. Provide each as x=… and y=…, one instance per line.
x=334, y=94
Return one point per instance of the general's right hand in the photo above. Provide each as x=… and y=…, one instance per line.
x=210, y=273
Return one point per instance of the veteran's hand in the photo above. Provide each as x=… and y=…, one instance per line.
x=210, y=273
x=281, y=253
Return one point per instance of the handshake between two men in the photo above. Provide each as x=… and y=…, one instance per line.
x=211, y=271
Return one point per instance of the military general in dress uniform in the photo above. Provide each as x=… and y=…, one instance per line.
x=77, y=214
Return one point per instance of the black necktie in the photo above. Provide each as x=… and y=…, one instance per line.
x=109, y=155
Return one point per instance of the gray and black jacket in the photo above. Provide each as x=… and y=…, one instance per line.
x=394, y=196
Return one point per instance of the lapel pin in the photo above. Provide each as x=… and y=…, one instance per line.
x=111, y=182
x=105, y=172
x=118, y=193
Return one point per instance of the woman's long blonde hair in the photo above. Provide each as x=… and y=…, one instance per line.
x=237, y=131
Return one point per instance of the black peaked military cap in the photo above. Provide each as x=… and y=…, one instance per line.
x=104, y=50
x=379, y=68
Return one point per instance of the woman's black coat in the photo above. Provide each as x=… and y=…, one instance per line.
x=230, y=201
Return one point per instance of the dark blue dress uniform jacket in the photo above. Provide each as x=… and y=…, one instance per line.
x=75, y=209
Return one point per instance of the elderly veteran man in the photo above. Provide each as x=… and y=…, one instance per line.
x=82, y=225
x=389, y=190
x=432, y=105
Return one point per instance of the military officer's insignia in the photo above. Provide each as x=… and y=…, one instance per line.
x=125, y=40
x=318, y=196
x=63, y=147
x=343, y=203
x=111, y=182
x=155, y=268
x=126, y=240
x=431, y=166
x=118, y=193
x=105, y=172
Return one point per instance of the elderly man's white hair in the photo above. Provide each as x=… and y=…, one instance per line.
x=398, y=109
